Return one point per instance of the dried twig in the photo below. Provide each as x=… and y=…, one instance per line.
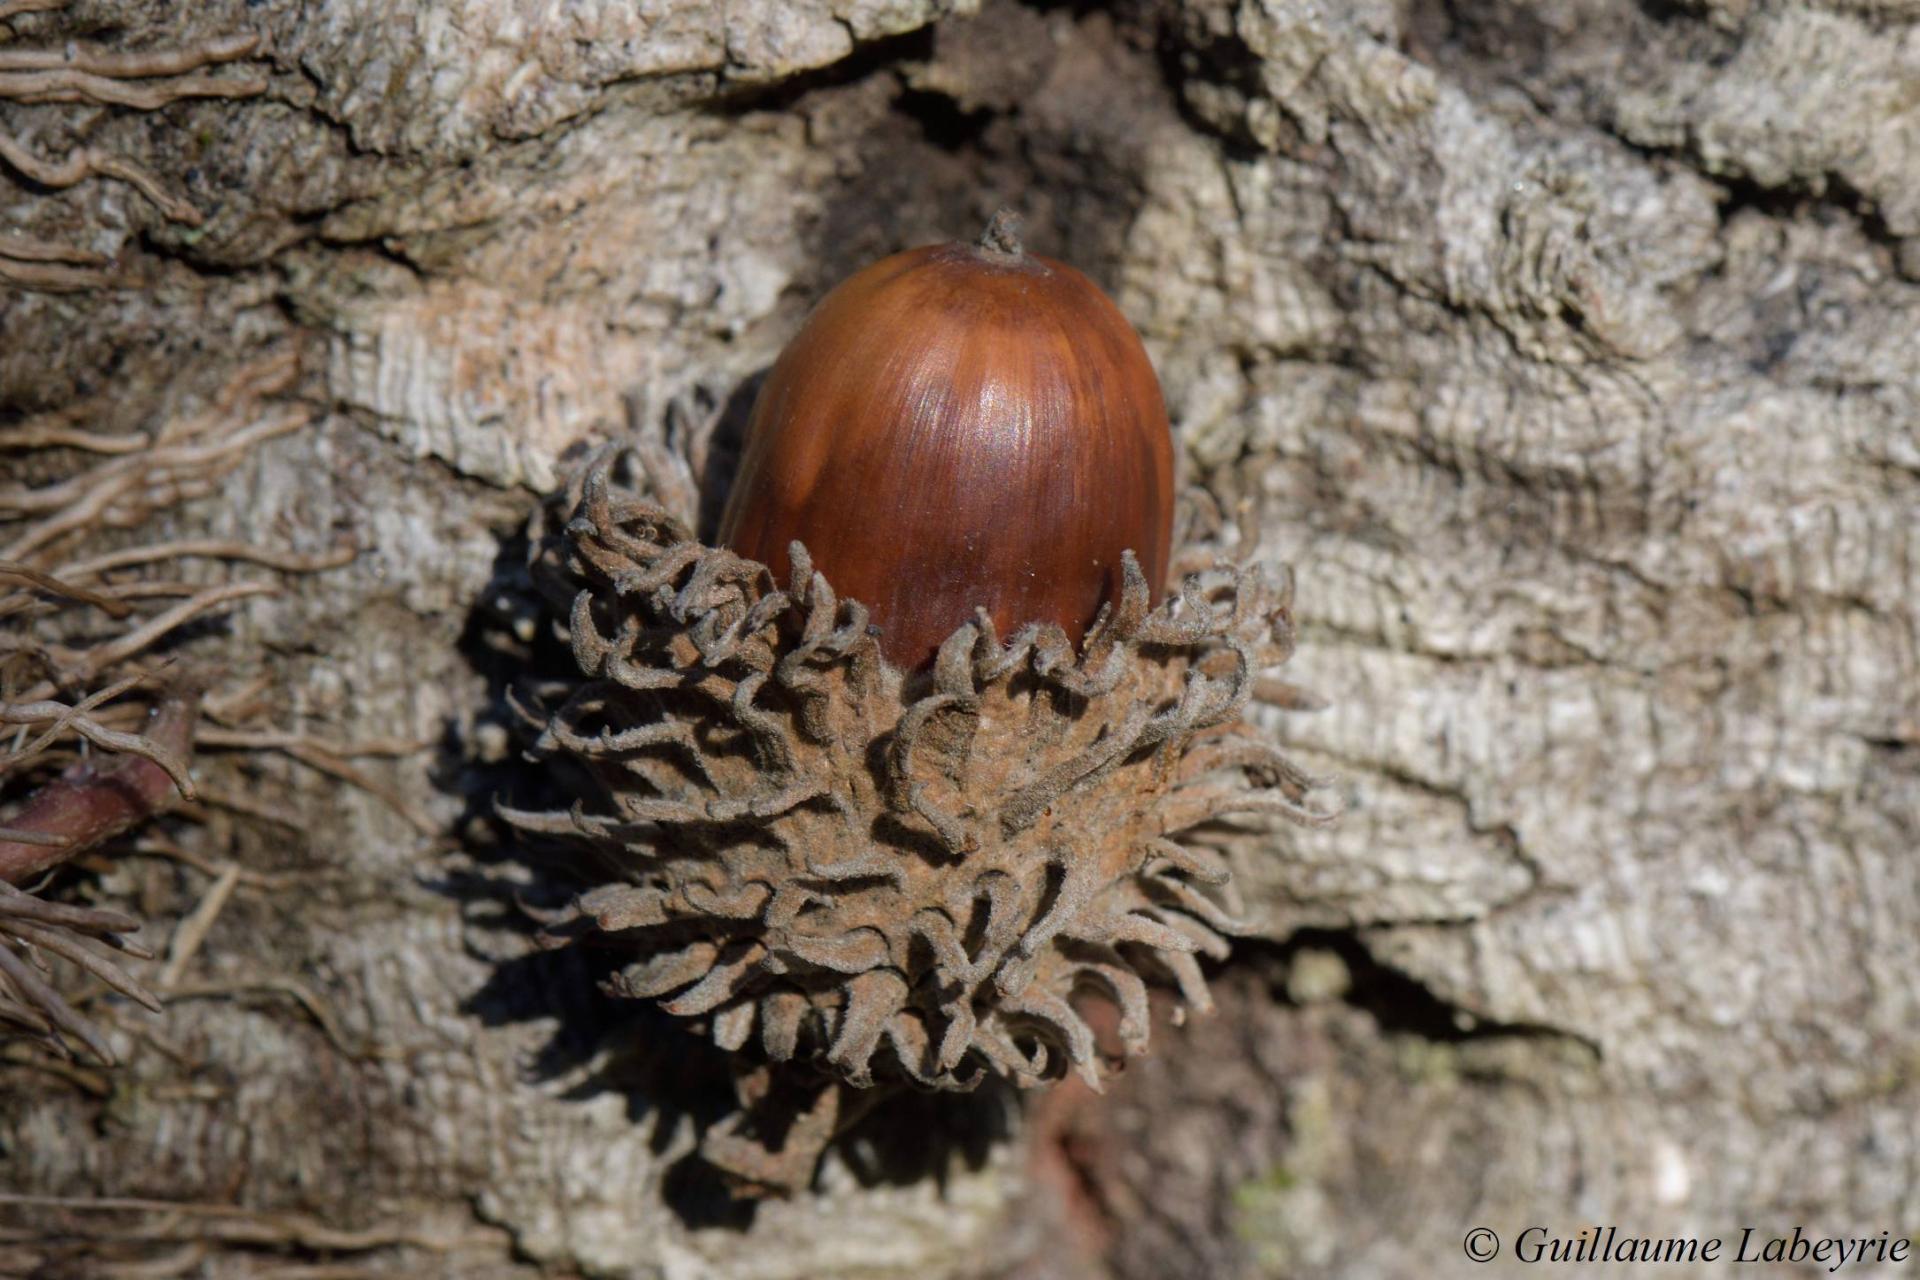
x=129, y=66
x=48, y=432
x=233, y=802
x=79, y=810
x=47, y=275
x=96, y=660
x=194, y=928
x=211, y=548
x=140, y=769
x=65, y=84
x=47, y=582
x=27, y=249
x=160, y=749
x=142, y=480
x=143, y=80
x=23, y=1054
x=88, y=162
x=77, y=934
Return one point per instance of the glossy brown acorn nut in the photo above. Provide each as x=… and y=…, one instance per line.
x=957, y=426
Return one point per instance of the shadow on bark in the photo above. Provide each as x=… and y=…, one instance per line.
x=1048, y=108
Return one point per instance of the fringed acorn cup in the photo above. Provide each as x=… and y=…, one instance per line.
x=899, y=879
x=862, y=870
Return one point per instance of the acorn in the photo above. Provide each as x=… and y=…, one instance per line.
x=961, y=426
x=858, y=869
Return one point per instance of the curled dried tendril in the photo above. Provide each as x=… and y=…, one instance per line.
x=142, y=80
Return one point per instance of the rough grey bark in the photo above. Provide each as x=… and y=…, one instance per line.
x=1566, y=349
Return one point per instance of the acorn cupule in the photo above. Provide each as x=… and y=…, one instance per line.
x=895, y=886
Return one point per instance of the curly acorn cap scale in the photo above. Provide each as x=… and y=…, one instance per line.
x=924, y=756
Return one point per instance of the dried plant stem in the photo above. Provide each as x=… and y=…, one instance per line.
x=78, y=720
x=82, y=666
x=194, y=928
x=68, y=85
x=60, y=428
x=71, y=946
x=88, y=162
x=24, y=1016
x=142, y=489
x=47, y=582
x=129, y=66
x=48, y=433
x=142, y=81
x=59, y=1014
x=93, y=490
x=213, y=549
x=48, y=567
x=26, y=249
x=24, y=906
x=79, y=934
x=86, y=1080
x=140, y=638
x=54, y=276
x=90, y=803
x=212, y=798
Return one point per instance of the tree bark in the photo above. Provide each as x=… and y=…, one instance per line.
x=1566, y=351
